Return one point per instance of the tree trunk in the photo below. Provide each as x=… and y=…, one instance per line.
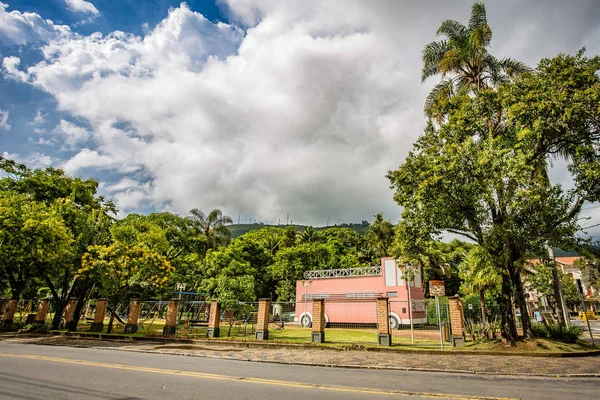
x=520, y=294
x=59, y=309
x=507, y=322
x=110, y=322
x=82, y=295
x=482, y=306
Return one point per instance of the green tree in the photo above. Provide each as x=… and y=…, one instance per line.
x=86, y=215
x=33, y=238
x=212, y=226
x=480, y=170
x=249, y=254
x=480, y=276
x=291, y=263
x=120, y=271
x=380, y=237
x=467, y=177
x=464, y=62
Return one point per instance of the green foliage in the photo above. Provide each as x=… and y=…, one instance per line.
x=380, y=238
x=121, y=270
x=590, y=267
x=480, y=174
x=244, y=264
x=432, y=317
x=561, y=333
x=212, y=227
x=540, y=279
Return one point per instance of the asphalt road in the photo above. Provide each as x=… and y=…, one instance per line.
x=594, y=327
x=52, y=372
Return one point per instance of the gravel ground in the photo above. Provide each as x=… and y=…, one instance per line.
x=520, y=365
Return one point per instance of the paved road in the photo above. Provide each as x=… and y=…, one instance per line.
x=51, y=372
x=594, y=326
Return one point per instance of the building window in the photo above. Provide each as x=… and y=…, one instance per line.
x=391, y=294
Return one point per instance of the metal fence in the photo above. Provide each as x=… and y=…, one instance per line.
x=348, y=321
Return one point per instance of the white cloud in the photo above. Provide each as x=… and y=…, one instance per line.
x=72, y=134
x=304, y=113
x=4, y=120
x=20, y=28
x=81, y=6
x=39, y=118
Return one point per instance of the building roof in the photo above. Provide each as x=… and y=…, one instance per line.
x=567, y=260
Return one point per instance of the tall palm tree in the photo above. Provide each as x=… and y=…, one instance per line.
x=463, y=61
x=212, y=227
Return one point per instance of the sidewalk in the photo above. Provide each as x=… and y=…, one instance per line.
x=463, y=363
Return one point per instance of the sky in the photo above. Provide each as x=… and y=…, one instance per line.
x=262, y=108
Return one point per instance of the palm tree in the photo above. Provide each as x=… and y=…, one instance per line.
x=463, y=61
x=479, y=275
x=308, y=235
x=212, y=227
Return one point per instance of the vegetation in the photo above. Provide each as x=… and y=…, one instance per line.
x=565, y=334
x=479, y=171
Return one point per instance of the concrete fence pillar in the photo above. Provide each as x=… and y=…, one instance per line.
x=132, y=316
x=262, y=320
x=214, y=320
x=318, y=321
x=98, y=323
x=171, y=322
x=42, y=312
x=384, y=338
x=457, y=323
x=9, y=313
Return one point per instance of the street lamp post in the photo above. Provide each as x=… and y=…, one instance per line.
x=306, y=285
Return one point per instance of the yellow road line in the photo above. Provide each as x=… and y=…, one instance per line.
x=204, y=375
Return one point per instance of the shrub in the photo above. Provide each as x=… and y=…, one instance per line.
x=557, y=332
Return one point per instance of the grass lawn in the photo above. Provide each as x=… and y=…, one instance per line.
x=345, y=337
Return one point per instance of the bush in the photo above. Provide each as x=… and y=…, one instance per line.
x=556, y=332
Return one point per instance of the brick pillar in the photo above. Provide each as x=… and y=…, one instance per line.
x=456, y=321
x=98, y=323
x=318, y=321
x=384, y=338
x=262, y=320
x=171, y=322
x=132, y=316
x=214, y=319
x=42, y=312
x=70, y=311
x=9, y=313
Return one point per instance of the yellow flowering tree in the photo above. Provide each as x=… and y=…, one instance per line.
x=121, y=270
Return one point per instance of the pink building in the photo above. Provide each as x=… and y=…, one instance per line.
x=350, y=294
